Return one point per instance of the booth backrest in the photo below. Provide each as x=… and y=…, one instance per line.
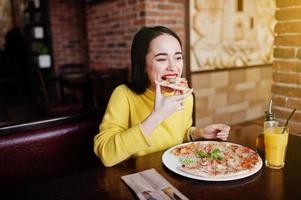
x=47, y=153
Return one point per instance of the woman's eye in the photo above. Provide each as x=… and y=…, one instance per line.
x=179, y=58
x=161, y=59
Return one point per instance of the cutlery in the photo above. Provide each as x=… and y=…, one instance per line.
x=170, y=193
x=148, y=196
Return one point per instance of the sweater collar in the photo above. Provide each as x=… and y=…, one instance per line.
x=149, y=93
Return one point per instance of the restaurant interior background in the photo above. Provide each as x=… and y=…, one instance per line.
x=68, y=55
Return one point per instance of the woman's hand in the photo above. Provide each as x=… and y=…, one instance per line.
x=164, y=106
x=213, y=131
x=167, y=105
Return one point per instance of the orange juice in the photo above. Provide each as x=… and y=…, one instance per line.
x=275, y=146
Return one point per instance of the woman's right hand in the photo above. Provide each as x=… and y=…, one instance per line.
x=167, y=105
x=164, y=106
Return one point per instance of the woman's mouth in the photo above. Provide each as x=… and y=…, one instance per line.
x=169, y=76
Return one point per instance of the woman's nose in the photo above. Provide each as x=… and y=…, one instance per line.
x=171, y=65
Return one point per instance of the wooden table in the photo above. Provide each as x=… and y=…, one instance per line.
x=105, y=183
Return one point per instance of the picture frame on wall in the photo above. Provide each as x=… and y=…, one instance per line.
x=227, y=34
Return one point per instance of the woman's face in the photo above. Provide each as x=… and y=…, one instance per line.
x=164, y=59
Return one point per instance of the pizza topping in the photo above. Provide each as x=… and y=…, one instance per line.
x=215, y=154
x=186, y=161
x=202, y=154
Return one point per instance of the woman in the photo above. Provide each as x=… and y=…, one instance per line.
x=145, y=117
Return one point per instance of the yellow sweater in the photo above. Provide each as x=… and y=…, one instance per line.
x=120, y=136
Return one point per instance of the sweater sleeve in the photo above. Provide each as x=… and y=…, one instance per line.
x=116, y=141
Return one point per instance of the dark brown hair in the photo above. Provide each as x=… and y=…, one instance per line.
x=139, y=50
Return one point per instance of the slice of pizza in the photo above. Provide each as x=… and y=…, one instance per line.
x=177, y=83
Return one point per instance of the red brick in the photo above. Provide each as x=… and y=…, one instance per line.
x=139, y=22
x=294, y=103
x=284, y=65
x=288, y=40
x=293, y=78
x=153, y=13
x=167, y=22
x=286, y=90
x=286, y=3
x=288, y=27
x=299, y=53
x=150, y=22
x=288, y=14
x=280, y=101
x=284, y=113
x=295, y=128
x=284, y=53
x=150, y=5
x=166, y=7
x=177, y=1
x=287, y=65
x=175, y=14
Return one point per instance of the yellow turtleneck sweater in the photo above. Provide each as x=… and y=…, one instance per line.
x=120, y=136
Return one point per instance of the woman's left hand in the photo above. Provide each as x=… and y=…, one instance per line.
x=216, y=131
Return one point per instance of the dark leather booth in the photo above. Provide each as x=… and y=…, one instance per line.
x=46, y=149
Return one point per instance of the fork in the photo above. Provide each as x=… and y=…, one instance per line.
x=148, y=195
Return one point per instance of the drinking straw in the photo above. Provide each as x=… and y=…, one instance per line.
x=289, y=117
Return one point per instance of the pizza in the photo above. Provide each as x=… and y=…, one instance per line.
x=213, y=159
x=176, y=83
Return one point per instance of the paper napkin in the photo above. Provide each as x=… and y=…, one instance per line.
x=150, y=185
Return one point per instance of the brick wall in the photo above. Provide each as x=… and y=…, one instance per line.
x=170, y=13
x=286, y=88
x=111, y=26
x=231, y=96
x=67, y=21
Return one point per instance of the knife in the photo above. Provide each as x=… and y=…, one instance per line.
x=170, y=193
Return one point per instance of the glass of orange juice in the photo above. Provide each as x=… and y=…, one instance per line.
x=275, y=146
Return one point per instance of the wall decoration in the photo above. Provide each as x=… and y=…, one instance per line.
x=6, y=22
x=230, y=33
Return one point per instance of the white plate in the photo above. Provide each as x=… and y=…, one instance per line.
x=171, y=162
